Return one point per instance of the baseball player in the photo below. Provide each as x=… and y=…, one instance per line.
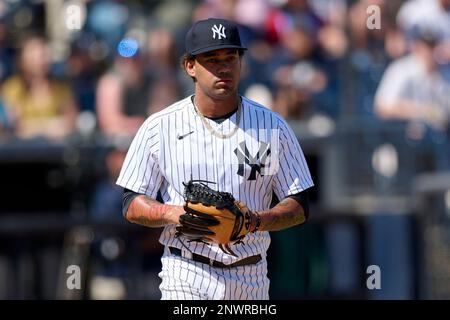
x=234, y=145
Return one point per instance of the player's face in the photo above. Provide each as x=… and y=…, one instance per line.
x=217, y=72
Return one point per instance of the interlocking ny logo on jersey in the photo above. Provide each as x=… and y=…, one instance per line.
x=256, y=163
x=220, y=31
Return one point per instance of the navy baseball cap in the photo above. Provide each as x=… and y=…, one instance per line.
x=212, y=34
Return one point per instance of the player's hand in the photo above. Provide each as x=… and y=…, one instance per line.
x=255, y=219
x=174, y=214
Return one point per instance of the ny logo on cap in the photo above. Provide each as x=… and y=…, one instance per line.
x=220, y=31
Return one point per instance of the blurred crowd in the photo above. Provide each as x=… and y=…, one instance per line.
x=84, y=67
x=305, y=58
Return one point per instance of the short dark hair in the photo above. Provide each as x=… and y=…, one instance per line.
x=189, y=57
x=185, y=58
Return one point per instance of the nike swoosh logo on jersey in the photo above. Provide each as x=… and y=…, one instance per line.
x=179, y=137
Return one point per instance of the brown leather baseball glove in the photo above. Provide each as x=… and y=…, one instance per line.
x=213, y=216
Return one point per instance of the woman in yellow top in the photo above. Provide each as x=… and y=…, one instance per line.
x=39, y=105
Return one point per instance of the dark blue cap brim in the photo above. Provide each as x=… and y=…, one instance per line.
x=216, y=47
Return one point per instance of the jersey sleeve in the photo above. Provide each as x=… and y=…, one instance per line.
x=293, y=174
x=140, y=171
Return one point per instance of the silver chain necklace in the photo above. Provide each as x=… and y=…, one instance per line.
x=212, y=130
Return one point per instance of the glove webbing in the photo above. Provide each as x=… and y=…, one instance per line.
x=200, y=192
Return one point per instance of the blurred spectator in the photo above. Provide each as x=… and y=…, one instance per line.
x=284, y=40
x=251, y=13
x=413, y=87
x=296, y=74
x=123, y=96
x=111, y=254
x=107, y=19
x=162, y=59
x=371, y=49
x=6, y=53
x=106, y=204
x=290, y=15
x=331, y=37
x=310, y=44
x=83, y=72
x=38, y=104
x=431, y=15
x=387, y=40
x=300, y=14
x=163, y=69
x=136, y=87
x=215, y=8
x=362, y=37
x=425, y=14
x=296, y=85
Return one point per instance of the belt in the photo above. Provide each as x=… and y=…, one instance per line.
x=213, y=263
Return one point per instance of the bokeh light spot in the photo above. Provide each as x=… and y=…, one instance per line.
x=127, y=47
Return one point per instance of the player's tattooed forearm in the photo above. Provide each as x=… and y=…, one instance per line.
x=283, y=215
x=282, y=221
x=142, y=220
x=148, y=212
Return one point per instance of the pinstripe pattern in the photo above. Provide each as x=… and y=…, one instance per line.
x=184, y=279
x=159, y=160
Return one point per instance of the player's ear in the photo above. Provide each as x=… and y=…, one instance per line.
x=189, y=66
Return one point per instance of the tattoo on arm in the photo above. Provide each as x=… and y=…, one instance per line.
x=286, y=214
x=148, y=212
x=144, y=221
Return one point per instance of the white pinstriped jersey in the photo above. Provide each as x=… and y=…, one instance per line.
x=173, y=146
